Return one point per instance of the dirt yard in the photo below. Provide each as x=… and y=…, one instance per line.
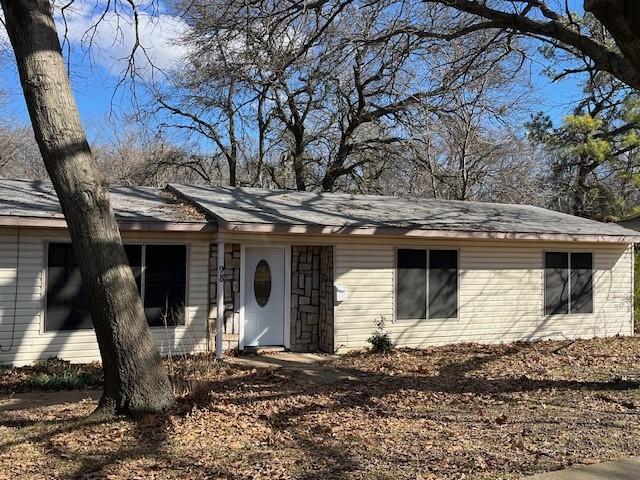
x=463, y=411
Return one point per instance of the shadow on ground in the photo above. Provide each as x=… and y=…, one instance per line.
x=475, y=412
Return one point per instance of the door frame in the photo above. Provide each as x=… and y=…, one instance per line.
x=286, y=247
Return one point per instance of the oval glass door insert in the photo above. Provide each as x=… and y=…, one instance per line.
x=262, y=283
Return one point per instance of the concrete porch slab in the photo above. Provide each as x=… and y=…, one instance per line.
x=280, y=359
x=310, y=368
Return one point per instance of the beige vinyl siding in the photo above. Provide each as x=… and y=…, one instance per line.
x=500, y=294
x=500, y=289
x=32, y=343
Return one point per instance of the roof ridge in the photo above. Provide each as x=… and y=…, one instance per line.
x=360, y=195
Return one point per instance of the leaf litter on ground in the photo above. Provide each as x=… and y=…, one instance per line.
x=451, y=412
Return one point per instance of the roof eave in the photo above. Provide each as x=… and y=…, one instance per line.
x=238, y=227
x=123, y=224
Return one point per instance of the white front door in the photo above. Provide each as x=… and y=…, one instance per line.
x=264, y=290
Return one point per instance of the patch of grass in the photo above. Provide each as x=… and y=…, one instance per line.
x=64, y=380
x=190, y=375
x=50, y=375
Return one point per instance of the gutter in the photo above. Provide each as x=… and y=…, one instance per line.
x=238, y=227
x=123, y=224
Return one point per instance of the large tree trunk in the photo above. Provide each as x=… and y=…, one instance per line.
x=135, y=381
x=298, y=164
x=622, y=19
x=334, y=172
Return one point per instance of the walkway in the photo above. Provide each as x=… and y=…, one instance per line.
x=309, y=367
x=621, y=470
x=29, y=400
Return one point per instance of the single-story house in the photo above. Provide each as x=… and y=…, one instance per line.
x=314, y=272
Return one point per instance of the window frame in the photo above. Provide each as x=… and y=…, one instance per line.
x=187, y=260
x=143, y=244
x=395, y=283
x=544, y=281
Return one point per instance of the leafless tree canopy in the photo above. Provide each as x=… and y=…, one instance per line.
x=397, y=97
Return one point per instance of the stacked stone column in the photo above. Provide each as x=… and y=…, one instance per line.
x=231, y=294
x=311, y=298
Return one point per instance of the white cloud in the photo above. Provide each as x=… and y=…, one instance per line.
x=110, y=37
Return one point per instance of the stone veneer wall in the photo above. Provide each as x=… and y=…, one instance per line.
x=311, y=298
x=327, y=302
x=231, y=335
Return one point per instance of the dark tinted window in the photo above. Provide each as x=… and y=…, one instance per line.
x=581, y=283
x=165, y=282
x=568, y=283
x=66, y=307
x=134, y=255
x=443, y=283
x=556, y=283
x=411, y=284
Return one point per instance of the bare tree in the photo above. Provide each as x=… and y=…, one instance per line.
x=130, y=155
x=135, y=381
x=552, y=25
x=471, y=150
x=19, y=154
x=322, y=89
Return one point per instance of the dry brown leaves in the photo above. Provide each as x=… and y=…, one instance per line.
x=462, y=411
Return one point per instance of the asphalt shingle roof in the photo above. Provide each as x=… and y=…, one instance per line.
x=632, y=222
x=283, y=207
x=37, y=199
x=230, y=207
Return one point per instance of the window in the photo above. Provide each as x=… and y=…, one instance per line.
x=426, y=284
x=262, y=283
x=161, y=279
x=568, y=283
x=411, y=284
x=66, y=308
x=443, y=283
x=165, y=284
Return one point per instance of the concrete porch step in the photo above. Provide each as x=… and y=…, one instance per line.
x=262, y=350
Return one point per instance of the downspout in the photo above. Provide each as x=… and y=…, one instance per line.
x=220, y=301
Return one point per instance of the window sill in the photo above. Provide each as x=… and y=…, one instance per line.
x=91, y=331
x=416, y=320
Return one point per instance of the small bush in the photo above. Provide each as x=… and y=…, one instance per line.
x=380, y=341
x=64, y=380
x=51, y=374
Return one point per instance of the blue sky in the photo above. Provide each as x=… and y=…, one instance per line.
x=94, y=72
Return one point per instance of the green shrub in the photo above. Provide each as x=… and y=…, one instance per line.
x=51, y=374
x=380, y=341
x=64, y=380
